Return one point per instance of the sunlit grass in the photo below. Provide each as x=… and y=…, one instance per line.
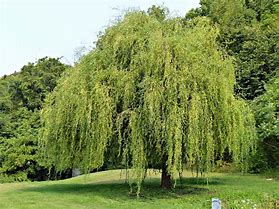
x=108, y=190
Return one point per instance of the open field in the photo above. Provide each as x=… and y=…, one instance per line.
x=108, y=190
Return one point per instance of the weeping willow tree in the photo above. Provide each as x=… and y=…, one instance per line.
x=158, y=91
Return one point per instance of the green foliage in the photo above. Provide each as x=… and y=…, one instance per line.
x=160, y=89
x=5, y=107
x=35, y=81
x=261, y=7
x=258, y=58
x=249, y=32
x=21, y=98
x=267, y=118
x=158, y=12
x=18, y=153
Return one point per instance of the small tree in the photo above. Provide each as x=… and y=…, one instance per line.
x=161, y=92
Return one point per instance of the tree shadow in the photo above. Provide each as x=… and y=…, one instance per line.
x=203, y=181
x=118, y=190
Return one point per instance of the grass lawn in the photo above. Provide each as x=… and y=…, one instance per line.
x=108, y=190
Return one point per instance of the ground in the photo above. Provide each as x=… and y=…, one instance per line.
x=108, y=190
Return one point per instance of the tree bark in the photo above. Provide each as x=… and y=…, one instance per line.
x=166, y=178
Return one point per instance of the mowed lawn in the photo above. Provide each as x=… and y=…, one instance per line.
x=108, y=190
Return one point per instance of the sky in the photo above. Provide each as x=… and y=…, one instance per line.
x=32, y=29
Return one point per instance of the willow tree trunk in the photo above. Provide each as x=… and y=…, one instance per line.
x=166, y=178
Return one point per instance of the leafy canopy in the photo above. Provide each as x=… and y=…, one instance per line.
x=158, y=91
x=249, y=32
x=21, y=97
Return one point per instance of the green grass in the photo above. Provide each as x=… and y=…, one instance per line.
x=107, y=190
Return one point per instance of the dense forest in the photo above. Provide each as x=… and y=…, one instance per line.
x=246, y=33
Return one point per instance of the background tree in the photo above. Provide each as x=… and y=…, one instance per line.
x=5, y=107
x=159, y=92
x=267, y=116
x=249, y=32
x=21, y=97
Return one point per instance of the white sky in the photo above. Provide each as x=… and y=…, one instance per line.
x=31, y=29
